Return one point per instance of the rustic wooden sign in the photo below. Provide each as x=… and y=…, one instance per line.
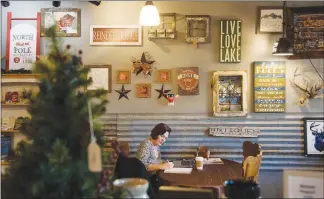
x=230, y=41
x=269, y=86
x=116, y=35
x=227, y=131
x=188, y=81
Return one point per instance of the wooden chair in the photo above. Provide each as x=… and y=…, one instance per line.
x=203, y=151
x=251, y=167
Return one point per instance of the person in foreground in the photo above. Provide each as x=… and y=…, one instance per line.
x=149, y=152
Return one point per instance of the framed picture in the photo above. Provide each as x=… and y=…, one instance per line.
x=303, y=184
x=143, y=90
x=163, y=76
x=230, y=93
x=314, y=136
x=269, y=20
x=68, y=21
x=188, y=80
x=101, y=77
x=116, y=35
x=123, y=77
x=197, y=28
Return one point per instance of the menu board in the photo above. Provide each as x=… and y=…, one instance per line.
x=308, y=32
x=269, y=86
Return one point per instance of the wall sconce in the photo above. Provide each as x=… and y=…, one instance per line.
x=283, y=47
x=149, y=15
x=56, y=3
x=5, y=3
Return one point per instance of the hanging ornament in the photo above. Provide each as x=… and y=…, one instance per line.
x=145, y=64
x=162, y=92
x=123, y=93
x=94, y=152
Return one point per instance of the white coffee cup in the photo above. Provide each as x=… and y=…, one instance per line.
x=199, y=162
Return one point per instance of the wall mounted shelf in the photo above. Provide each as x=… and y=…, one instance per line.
x=166, y=29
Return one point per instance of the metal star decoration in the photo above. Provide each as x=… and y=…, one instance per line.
x=144, y=64
x=162, y=92
x=123, y=93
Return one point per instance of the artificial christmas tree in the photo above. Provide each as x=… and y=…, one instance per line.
x=53, y=161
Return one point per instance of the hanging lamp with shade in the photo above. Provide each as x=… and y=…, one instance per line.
x=149, y=15
x=283, y=47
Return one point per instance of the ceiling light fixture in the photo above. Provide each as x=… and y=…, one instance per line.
x=284, y=46
x=149, y=15
x=56, y=3
x=97, y=3
x=5, y=3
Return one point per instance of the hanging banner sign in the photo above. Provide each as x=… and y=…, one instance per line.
x=23, y=41
x=230, y=41
x=227, y=131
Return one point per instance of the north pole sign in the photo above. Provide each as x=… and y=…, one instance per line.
x=188, y=81
x=230, y=41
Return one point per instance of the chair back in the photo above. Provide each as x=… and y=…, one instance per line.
x=203, y=151
x=166, y=192
x=251, y=167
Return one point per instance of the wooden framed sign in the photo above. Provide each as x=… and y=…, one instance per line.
x=188, y=81
x=230, y=41
x=269, y=86
x=101, y=77
x=130, y=35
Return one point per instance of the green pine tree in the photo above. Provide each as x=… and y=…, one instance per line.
x=52, y=163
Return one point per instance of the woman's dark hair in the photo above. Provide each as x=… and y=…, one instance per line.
x=160, y=129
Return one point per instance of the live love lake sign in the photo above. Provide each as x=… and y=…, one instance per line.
x=23, y=41
x=227, y=131
x=230, y=41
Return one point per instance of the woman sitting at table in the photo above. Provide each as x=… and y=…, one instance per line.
x=149, y=152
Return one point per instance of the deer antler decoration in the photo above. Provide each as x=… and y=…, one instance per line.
x=308, y=89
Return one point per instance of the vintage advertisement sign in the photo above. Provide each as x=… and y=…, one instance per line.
x=188, y=81
x=269, y=86
x=230, y=41
x=23, y=40
x=116, y=35
x=228, y=131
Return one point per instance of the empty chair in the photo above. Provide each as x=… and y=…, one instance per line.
x=166, y=192
x=251, y=167
x=203, y=151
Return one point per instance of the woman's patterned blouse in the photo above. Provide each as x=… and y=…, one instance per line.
x=148, y=153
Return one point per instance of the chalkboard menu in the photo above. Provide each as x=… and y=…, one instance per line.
x=308, y=32
x=269, y=86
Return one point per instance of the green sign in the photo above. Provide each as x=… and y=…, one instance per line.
x=230, y=41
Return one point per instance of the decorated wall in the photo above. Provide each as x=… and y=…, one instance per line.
x=175, y=53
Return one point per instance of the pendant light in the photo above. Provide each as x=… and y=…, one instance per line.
x=149, y=15
x=283, y=47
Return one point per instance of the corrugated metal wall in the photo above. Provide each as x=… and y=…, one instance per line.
x=281, y=136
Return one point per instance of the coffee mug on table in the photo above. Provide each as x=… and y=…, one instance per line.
x=199, y=162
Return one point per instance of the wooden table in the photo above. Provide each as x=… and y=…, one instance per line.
x=212, y=175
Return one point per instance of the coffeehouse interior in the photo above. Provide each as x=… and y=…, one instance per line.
x=162, y=99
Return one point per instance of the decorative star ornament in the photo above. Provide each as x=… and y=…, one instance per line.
x=145, y=64
x=123, y=93
x=162, y=92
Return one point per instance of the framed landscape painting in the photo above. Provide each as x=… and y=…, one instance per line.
x=269, y=20
x=68, y=21
x=314, y=136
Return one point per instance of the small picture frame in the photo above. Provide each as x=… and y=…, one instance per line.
x=270, y=20
x=197, y=28
x=143, y=90
x=313, y=137
x=101, y=77
x=68, y=21
x=123, y=77
x=163, y=76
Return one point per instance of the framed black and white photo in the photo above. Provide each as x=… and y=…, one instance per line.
x=270, y=20
x=314, y=136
